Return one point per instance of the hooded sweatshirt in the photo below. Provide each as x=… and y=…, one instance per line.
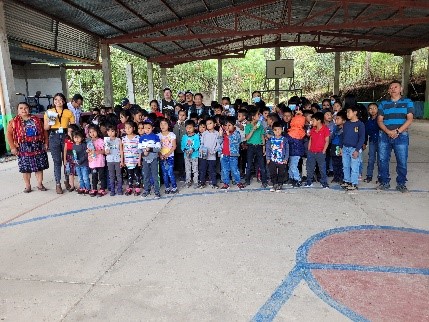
x=296, y=136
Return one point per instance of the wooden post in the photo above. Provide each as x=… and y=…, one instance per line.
x=107, y=74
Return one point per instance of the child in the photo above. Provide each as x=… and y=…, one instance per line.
x=317, y=146
x=240, y=125
x=124, y=116
x=353, y=139
x=202, y=127
x=336, y=144
x=295, y=137
x=130, y=158
x=179, y=130
x=69, y=165
x=168, y=146
x=255, y=146
x=80, y=159
x=113, y=150
x=330, y=124
x=229, y=145
x=95, y=150
x=307, y=127
x=190, y=145
x=277, y=148
x=371, y=130
x=208, y=149
x=150, y=146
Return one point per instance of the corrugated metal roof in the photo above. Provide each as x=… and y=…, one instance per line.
x=176, y=31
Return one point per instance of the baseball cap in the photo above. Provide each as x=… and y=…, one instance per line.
x=125, y=101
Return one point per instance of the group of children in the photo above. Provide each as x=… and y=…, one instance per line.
x=290, y=145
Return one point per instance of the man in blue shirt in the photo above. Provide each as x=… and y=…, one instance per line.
x=395, y=116
x=75, y=106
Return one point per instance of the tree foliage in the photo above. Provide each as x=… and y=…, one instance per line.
x=314, y=73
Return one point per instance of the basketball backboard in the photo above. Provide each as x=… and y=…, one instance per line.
x=282, y=68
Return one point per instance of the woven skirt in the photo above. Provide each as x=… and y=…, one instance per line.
x=32, y=157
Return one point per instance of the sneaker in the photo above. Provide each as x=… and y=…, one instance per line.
x=92, y=193
x=85, y=191
x=167, y=191
x=264, y=185
x=383, y=187
x=240, y=185
x=58, y=189
x=368, y=179
x=279, y=188
x=145, y=194
x=274, y=188
x=402, y=188
x=128, y=192
x=352, y=187
x=308, y=184
x=137, y=192
x=247, y=183
x=225, y=187
x=174, y=190
x=112, y=193
x=199, y=186
x=101, y=192
x=80, y=191
x=157, y=195
x=344, y=185
x=325, y=186
x=215, y=186
x=296, y=184
x=120, y=192
x=188, y=184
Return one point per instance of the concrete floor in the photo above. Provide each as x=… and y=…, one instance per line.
x=202, y=255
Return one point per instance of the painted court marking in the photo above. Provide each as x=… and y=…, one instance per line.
x=303, y=271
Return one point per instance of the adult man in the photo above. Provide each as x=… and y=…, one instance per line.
x=181, y=97
x=75, y=107
x=167, y=104
x=125, y=103
x=189, y=97
x=395, y=116
x=199, y=107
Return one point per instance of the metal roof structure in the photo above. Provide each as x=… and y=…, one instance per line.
x=171, y=32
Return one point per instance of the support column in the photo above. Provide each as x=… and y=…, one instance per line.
x=277, y=80
x=107, y=74
x=150, y=80
x=8, y=99
x=426, y=103
x=337, y=73
x=130, y=83
x=406, y=71
x=64, y=85
x=163, y=77
x=219, y=80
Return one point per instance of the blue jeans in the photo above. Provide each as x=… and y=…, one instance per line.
x=400, y=147
x=83, y=173
x=167, y=169
x=351, y=165
x=293, y=167
x=373, y=156
x=230, y=165
x=312, y=159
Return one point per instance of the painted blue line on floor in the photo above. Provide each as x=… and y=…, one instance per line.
x=270, y=309
x=303, y=270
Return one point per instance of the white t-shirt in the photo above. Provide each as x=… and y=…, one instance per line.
x=167, y=142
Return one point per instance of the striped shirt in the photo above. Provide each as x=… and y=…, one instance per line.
x=131, y=151
x=395, y=113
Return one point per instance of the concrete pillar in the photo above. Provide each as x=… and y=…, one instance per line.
x=406, y=71
x=130, y=83
x=163, y=77
x=337, y=73
x=426, y=106
x=107, y=75
x=64, y=85
x=8, y=99
x=150, y=80
x=219, y=80
x=276, y=80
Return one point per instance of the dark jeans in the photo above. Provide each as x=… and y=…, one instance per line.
x=252, y=152
x=337, y=164
x=115, y=174
x=179, y=164
x=56, y=146
x=150, y=170
x=99, y=174
x=320, y=159
x=277, y=172
x=205, y=164
x=134, y=177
